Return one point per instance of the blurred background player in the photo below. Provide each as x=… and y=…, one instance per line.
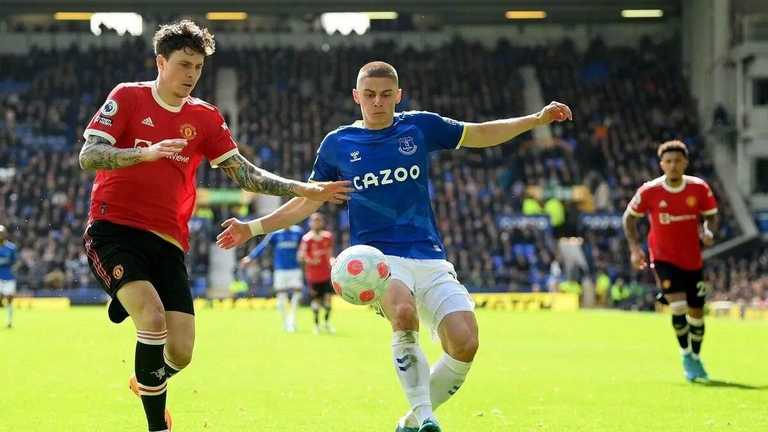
x=7, y=277
x=316, y=253
x=286, y=278
x=145, y=144
x=675, y=204
x=386, y=156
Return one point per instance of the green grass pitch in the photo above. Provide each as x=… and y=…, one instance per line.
x=535, y=371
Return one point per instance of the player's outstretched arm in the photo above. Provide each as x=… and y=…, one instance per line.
x=492, y=133
x=636, y=254
x=254, y=179
x=99, y=154
x=237, y=232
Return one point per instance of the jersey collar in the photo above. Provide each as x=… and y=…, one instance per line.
x=162, y=103
x=669, y=188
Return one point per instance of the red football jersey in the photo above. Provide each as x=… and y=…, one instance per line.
x=318, y=250
x=674, y=216
x=155, y=196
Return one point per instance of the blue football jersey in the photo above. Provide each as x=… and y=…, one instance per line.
x=285, y=244
x=7, y=259
x=390, y=208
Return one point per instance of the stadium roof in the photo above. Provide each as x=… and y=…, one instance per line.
x=454, y=11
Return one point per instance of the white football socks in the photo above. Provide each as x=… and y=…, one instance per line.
x=295, y=297
x=282, y=299
x=447, y=375
x=413, y=371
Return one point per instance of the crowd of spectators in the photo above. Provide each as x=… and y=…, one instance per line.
x=625, y=101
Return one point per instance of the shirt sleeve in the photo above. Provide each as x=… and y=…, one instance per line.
x=639, y=204
x=259, y=249
x=708, y=203
x=111, y=119
x=220, y=145
x=325, y=168
x=440, y=133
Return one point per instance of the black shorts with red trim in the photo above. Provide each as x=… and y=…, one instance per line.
x=673, y=279
x=118, y=254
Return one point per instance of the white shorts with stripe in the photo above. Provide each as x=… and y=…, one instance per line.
x=435, y=286
x=7, y=287
x=287, y=279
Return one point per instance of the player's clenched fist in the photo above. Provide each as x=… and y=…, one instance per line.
x=554, y=112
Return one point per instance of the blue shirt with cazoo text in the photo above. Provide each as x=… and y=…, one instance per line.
x=390, y=208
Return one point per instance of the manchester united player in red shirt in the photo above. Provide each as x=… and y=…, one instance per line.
x=316, y=251
x=145, y=144
x=675, y=204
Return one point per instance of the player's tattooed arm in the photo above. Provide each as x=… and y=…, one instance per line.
x=98, y=153
x=254, y=179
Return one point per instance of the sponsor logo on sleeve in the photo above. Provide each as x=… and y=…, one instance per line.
x=109, y=108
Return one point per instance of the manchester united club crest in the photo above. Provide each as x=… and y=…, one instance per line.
x=691, y=201
x=188, y=132
x=118, y=272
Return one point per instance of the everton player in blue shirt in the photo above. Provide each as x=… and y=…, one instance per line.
x=386, y=156
x=286, y=279
x=7, y=278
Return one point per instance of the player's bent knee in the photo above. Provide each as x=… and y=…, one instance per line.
x=180, y=354
x=679, y=307
x=405, y=316
x=466, y=349
x=463, y=345
x=151, y=317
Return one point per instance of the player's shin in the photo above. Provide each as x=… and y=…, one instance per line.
x=446, y=377
x=282, y=300
x=697, y=333
x=679, y=323
x=151, y=376
x=413, y=371
x=9, y=312
x=294, y=306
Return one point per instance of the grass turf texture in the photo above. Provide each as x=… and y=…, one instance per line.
x=536, y=371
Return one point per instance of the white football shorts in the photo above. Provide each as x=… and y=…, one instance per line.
x=434, y=284
x=287, y=279
x=7, y=287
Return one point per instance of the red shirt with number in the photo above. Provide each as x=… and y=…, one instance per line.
x=674, y=215
x=317, y=250
x=155, y=196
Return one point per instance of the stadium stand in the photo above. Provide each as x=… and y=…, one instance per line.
x=500, y=233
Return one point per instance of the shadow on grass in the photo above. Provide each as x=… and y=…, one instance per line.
x=728, y=384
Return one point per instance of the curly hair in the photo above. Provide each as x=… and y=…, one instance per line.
x=180, y=35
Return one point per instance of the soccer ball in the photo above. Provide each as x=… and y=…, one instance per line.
x=360, y=274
